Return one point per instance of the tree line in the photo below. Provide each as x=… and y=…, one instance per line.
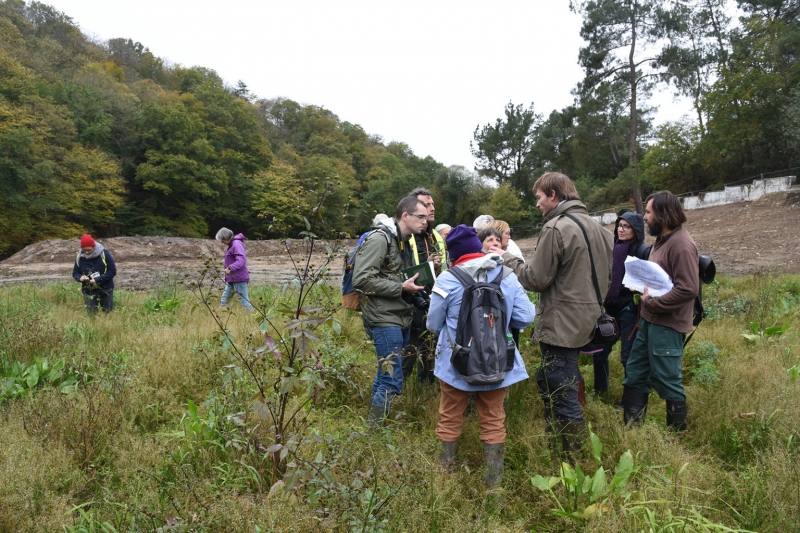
x=738, y=65
x=108, y=138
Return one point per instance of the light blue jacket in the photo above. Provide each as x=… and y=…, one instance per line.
x=444, y=308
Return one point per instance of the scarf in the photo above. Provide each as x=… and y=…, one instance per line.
x=618, y=269
x=98, y=249
x=466, y=257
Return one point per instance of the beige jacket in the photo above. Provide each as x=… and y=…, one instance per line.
x=561, y=273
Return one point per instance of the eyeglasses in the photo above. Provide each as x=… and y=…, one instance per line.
x=625, y=227
x=421, y=217
x=507, y=233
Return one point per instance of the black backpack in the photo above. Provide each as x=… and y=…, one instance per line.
x=483, y=351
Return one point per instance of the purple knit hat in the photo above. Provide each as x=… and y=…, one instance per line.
x=462, y=240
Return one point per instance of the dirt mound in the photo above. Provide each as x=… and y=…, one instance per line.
x=144, y=262
x=743, y=238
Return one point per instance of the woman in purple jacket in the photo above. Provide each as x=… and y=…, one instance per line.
x=236, y=273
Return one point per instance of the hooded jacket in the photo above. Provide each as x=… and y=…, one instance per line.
x=377, y=276
x=99, y=261
x=444, y=310
x=636, y=250
x=236, y=260
x=561, y=273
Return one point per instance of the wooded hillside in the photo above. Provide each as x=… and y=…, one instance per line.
x=107, y=138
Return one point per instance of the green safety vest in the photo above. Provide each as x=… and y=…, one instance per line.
x=439, y=244
x=102, y=254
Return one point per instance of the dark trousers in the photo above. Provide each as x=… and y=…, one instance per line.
x=626, y=320
x=104, y=297
x=558, y=379
x=420, y=348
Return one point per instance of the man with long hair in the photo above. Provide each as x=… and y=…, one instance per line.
x=656, y=356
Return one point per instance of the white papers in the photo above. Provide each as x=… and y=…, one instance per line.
x=640, y=274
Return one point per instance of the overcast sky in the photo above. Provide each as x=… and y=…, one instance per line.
x=421, y=72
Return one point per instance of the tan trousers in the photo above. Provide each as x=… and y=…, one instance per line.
x=491, y=414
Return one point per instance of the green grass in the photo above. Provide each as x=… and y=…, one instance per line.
x=158, y=430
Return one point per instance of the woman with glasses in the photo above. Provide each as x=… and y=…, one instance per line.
x=628, y=241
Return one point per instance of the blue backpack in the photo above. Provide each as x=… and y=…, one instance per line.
x=351, y=298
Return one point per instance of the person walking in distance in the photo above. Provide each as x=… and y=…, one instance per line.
x=566, y=315
x=237, y=276
x=656, y=357
x=385, y=309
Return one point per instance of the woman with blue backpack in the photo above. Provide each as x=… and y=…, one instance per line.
x=476, y=288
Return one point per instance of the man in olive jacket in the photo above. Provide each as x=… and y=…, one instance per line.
x=560, y=271
x=657, y=351
x=384, y=310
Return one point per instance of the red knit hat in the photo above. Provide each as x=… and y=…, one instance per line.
x=87, y=240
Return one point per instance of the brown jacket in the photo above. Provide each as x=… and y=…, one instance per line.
x=676, y=253
x=562, y=275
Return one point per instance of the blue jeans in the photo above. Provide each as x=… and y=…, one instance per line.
x=239, y=288
x=389, y=344
x=626, y=320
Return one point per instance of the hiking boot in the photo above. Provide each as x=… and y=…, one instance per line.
x=493, y=456
x=676, y=415
x=634, y=406
x=447, y=459
x=573, y=435
x=376, y=417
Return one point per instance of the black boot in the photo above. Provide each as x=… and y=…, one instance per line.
x=676, y=415
x=447, y=458
x=376, y=416
x=634, y=406
x=494, y=456
x=571, y=435
x=572, y=438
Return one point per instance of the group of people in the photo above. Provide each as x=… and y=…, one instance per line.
x=404, y=319
x=571, y=245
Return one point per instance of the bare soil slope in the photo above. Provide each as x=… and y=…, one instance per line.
x=743, y=238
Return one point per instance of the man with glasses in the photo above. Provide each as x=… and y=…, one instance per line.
x=426, y=245
x=384, y=310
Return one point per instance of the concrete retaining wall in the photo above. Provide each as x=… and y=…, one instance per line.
x=739, y=193
x=731, y=194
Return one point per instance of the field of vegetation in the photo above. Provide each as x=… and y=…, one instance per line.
x=170, y=414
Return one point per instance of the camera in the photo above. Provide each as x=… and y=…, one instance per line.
x=418, y=299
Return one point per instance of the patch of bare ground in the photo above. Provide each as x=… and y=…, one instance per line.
x=743, y=238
